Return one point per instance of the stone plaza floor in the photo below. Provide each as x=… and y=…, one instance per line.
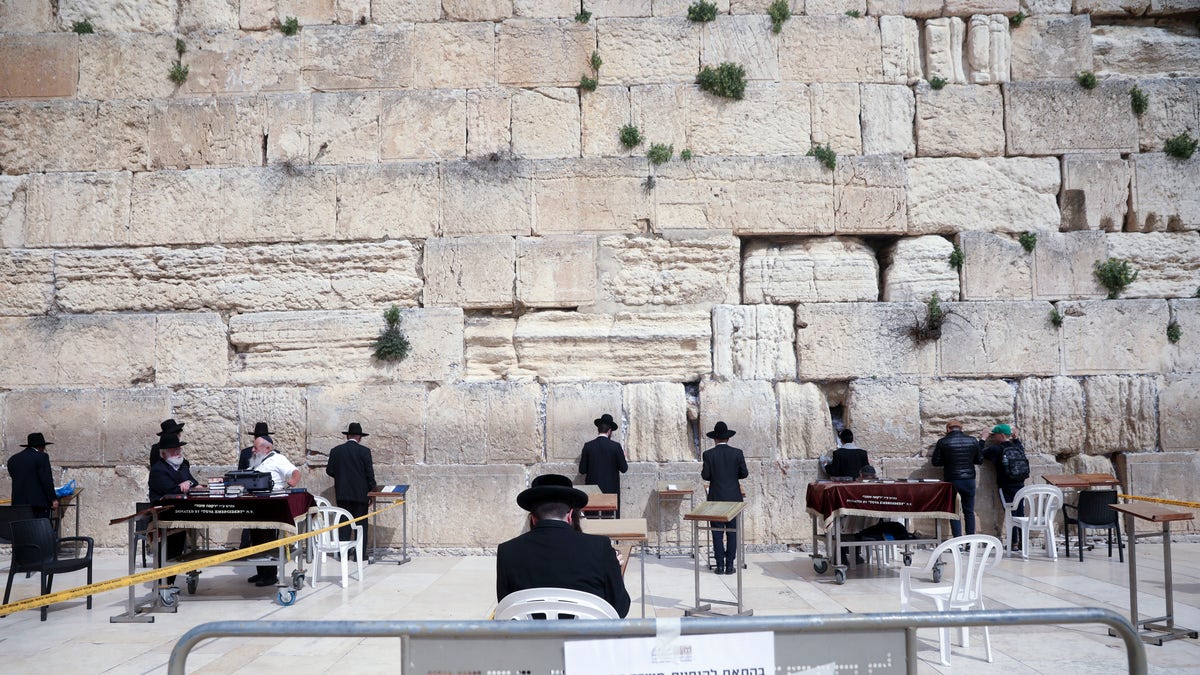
x=75, y=640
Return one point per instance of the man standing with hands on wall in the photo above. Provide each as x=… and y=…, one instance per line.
x=353, y=473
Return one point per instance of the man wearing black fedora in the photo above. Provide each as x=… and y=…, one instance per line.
x=553, y=554
x=724, y=466
x=260, y=430
x=32, y=480
x=168, y=426
x=603, y=460
x=353, y=474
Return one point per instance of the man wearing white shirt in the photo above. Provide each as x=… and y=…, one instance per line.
x=283, y=474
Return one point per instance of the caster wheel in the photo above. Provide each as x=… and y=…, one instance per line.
x=286, y=597
x=839, y=576
x=297, y=581
x=937, y=573
x=168, y=596
x=907, y=559
x=821, y=565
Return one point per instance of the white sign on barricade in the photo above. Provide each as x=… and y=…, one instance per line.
x=721, y=654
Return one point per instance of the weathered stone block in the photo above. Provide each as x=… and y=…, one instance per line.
x=924, y=9
x=77, y=209
x=26, y=282
x=749, y=408
x=129, y=65
x=489, y=350
x=917, y=267
x=602, y=195
x=1052, y=47
x=969, y=7
x=989, y=49
x=901, y=48
x=1139, y=50
x=951, y=195
x=601, y=112
x=211, y=426
x=744, y=40
x=37, y=66
x=388, y=201
x=639, y=51
x=34, y=16
x=998, y=339
x=266, y=204
x=1164, y=193
x=479, y=523
x=882, y=345
x=885, y=416
x=120, y=16
x=454, y=55
x=544, y=52
x=1121, y=8
x=806, y=42
x=570, y=409
x=1114, y=336
x=754, y=342
x=89, y=427
x=1168, y=475
x=105, y=351
x=357, y=57
x=111, y=494
x=397, y=11
x=487, y=197
x=833, y=269
x=423, y=124
x=772, y=119
x=1179, y=413
x=1052, y=118
x=290, y=130
x=1174, y=104
x=474, y=10
x=191, y=349
x=484, y=423
x=1167, y=262
x=995, y=267
x=869, y=195
x=666, y=109
x=470, y=272
x=545, y=123
x=545, y=9
x=285, y=409
x=623, y=347
x=556, y=271
x=1121, y=414
x=887, y=119
x=835, y=114
x=1185, y=357
x=805, y=428
x=965, y=121
x=978, y=404
x=1095, y=192
x=1064, y=265
x=944, y=49
x=692, y=270
x=394, y=415
x=73, y=136
x=13, y=202
x=347, y=128
x=213, y=132
x=489, y=122
x=658, y=430
x=208, y=15
x=1049, y=415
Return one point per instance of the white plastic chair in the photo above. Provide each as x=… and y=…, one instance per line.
x=1042, y=504
x=321, y=501
x=553, y=603
x=965, y=591
x=328, y=543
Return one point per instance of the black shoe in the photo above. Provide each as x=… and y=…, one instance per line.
x=253, y=579
x=859, y=560
x=731, y=569
x=267, y=581
x=720, y=569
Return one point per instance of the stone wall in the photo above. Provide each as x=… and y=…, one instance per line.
x=221, y=250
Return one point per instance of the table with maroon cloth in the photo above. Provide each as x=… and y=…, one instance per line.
x=828, y=501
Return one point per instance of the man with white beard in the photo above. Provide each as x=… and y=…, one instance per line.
x=283, y=474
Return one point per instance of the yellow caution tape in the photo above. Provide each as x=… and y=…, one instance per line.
x=5, y=501
x=171, y=570
x=1156, y=500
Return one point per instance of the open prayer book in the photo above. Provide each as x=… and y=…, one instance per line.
x=398, y=489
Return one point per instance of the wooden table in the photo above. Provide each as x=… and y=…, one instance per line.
x=1154, y=632
x=589, y=489
x=673, y=493
x=398, y=494
x=712, y=513
x=600, y=503
x=1080, y=481
x=623, y=529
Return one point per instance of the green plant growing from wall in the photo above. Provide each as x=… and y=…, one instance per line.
x=779, y=11
x=583, y=16
x=1056, y=317
x=1115, y=275
x=595, y=62
x=929, y=326
x=1028, y=241
x=936, y=83
x=957, y=258
x=179, y=72
x=702, y=11
x=854, y=14
x=1138, y=101
x=825, y=155
x=1017, y=19
x=1181, y=146
x=290, y=26
x=630, y=136
x=1087, y=80
x=727, y=80
x=686, y=155
x=83, y=27
x=589, y=83
x=1174, y=332
x=392, y=345
x=660, y=153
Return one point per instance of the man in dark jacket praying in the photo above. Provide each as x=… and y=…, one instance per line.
x=958, y=454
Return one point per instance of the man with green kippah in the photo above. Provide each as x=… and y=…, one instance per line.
x=1007, y=453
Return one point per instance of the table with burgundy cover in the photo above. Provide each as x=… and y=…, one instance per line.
x=828, y=501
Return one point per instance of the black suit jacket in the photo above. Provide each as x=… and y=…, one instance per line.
x=165, y=479
x=554, y=555
x=724, y=465
x=32, y=480
x=352, y=470
x=847, y=462
x=602, y=463
x=244, y=458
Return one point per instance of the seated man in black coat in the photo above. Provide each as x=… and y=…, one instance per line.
x=552, y=554
x=171, y=475
x=849, y=459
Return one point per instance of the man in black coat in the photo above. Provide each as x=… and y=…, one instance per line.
x=32, y=480
x=171, y=475
x=553, y=554
x=724, y=466
x=353, y=474
x=603, y=460
x=169, y=426
x=958, y=454
x=848, y=460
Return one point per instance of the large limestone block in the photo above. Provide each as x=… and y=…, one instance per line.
x=657, y=417
x=556, y=271
x=388, y=201
x=489, y=122
x=33, y=16
x=1164, y=51
x=640, y=51
x=38, y=66
x=347, y=127
x=989, y=47
x=944, y=49
x=869, y=195
x=1052, y=47
x=1095, y=192
x=960, y=120
x=744, y=40
x=1164, y=193
x=687, y=271
x=1167, y=262
x=1121, y=8
x=786, y=195
x=191, y=349
x=488, y=347
x=102, y=350
x=601, y=112
x=551, y=52
x=749, y=408
x=546, y=123
x=454, y=55
x=968, y=7
x=484, y=423
x=13, y=203
x=394, y=415
x=995, y=267
x=438, y=516
x=77, y=209
x=470, y=272
x=1166, y=475
x=214, y=428
x=1114, y=336
x=213, y=132
x=901, y=42
x=475, y=10
x=290, y=130
x=120, y=16
x=265, y=204
x=998, y=339
x=1049, y=415
x=130, y=65
x=1174, y=105
x=950, y=195
x=754, y=342
x=110, y=494
x=881, y=346
x=805, y=427
x=885, y=416
x=833, y=269
x=623, y=347
x=830, y=49
x=1057, y=117
x=487, y=197
x=887, y=119
x=336, y=346
x=917, y=267
x=570, y=409
x=591, y=195
x=1121, y=414
x=73, y=136
x=208, y=15
x=396, y=11
x=423, y=124
x=88, y=427
x=1179, y=413
x=1165, y=7
x=1064, y=265
x=835, y=115
x=26, y=282
x=357, y=57
x=1185, y=357
x=978, y=404
x=285, y=409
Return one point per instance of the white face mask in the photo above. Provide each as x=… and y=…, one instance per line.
x=175, y=461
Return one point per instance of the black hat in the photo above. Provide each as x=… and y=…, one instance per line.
x=168, y=442
x=551, y=487
x=721, y=432
x=260, y=429
x=355, y=429
x=607, y=420
x=36, y=440
x=170, y=427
